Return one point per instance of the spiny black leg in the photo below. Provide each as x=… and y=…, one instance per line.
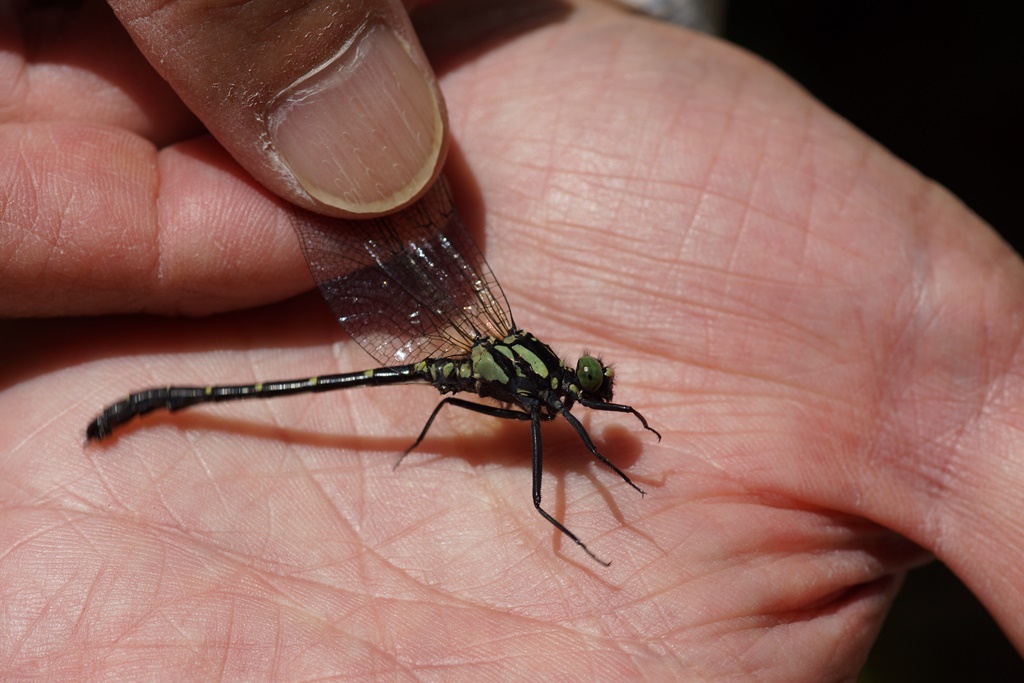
x=578, y=426
x=493, y=411
x=619, y=408
x=538, y=477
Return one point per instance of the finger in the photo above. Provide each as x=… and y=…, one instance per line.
x=95, y=220
x=332, y=106
x=76, y=63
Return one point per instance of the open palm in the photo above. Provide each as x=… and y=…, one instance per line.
x=804, y=319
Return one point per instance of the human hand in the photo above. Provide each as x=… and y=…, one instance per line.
x=822, y=337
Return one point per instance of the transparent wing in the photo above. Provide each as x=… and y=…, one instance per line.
x=408, y=286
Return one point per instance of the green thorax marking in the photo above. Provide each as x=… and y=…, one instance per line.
x=519, y=356
x=486, y=367
x=539, y=367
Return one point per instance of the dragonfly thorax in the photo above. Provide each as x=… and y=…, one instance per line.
x=520, y=369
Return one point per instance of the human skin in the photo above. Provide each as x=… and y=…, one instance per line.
x=828, y=342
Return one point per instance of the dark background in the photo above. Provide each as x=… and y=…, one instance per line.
x=941, y=84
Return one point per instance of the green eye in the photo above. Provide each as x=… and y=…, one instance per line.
x=590, y=373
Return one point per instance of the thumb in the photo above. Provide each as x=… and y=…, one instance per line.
x=330, y=105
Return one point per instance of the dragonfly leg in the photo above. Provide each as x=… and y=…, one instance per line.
x=588, y=442
x=619, y=408
x=538, y=477
x=493, y=411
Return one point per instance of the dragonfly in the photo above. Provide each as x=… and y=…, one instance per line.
x=414, y=291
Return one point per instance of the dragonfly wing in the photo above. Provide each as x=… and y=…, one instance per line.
x=407, y=286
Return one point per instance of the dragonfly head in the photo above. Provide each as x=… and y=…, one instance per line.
x=595, y=378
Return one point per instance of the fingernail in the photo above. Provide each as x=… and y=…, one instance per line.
x=364, y=132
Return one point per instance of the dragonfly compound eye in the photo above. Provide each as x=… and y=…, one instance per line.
x=590, y=373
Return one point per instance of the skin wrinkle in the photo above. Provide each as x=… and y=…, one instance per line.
x=155, y=236
x=79, y=628
x=803, y=220
x=26, y=179
x=806, y=220
x=997, y=400
x=943, y=471
x=754, y=316
x=211, y=478
x=744, y=202
x=992, y=380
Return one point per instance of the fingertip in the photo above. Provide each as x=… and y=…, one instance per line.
x=365, y=133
